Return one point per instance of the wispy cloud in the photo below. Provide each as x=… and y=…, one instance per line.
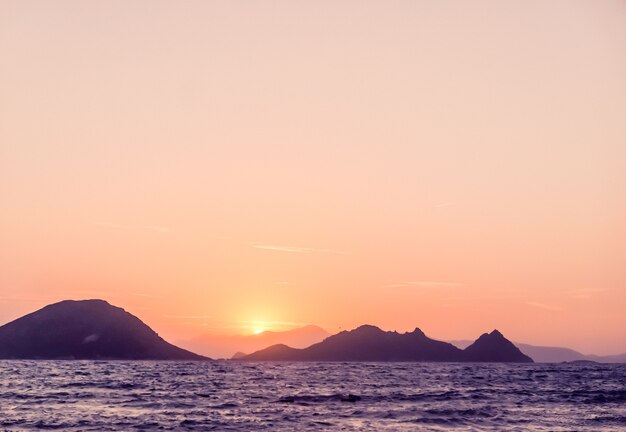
x=209, y=322
x=23, y=299
x=142, y=295
x=427, y=284
x=585, y=293
x=279, y=323
x=545, y=306
x=155, y=228
x=189, y=316
x=112, y=225
x=107, y=293
x=295, y=249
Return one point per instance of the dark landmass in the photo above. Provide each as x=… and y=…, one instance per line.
x=86, y=329
x=238, y=355
x=369, y=343
x=547, y=354
x=494, y=347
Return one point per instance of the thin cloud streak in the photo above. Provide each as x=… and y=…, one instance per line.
x=544, y=306
x=210, y=323
x=112, y=225
x=285, y=323
x=159, y=229
x=295, y=249
x=25, y=299
x=110, y=293
x=586, y=293
x=155, y=228
x=427, y=284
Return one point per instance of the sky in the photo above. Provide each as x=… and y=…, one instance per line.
x=230, y=166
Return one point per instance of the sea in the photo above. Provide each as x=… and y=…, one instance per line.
x=241, y=396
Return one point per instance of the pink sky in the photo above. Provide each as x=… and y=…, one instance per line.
x=219, y=166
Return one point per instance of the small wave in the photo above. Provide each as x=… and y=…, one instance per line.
x=484, y=412
x=227, y=405
x=305, y=399
x=434, y=396
x=596, y=396
x=609, y=419
x=228, y=396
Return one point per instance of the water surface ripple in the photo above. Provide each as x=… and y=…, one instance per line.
x=238, y=396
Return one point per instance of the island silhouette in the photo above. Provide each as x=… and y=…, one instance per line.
x=370, y=343
x=95, y=329
x=552, y=354
x=85, y=329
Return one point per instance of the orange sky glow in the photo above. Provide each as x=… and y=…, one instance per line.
x=236, y=166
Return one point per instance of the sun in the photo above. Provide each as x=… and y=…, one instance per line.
x=258, y=326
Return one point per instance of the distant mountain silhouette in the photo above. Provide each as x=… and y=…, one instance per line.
x=616, y=358
x=224, y=346
x=494, y=347
x=85, y=329
x=548, y=354
x=369, y=343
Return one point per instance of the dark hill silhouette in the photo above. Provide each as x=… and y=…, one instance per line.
x=85, y=329
x=369, y=343
x=494, y=347
x=540, y=354
x=549, y=354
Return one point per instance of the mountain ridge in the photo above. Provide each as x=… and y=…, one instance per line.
x=370, y=343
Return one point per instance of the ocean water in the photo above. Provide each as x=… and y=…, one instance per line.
x=238, y=396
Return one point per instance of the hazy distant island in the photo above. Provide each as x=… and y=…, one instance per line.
x=226, y=345
x=550, y=354
x=85, y=329
x=370, y=343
